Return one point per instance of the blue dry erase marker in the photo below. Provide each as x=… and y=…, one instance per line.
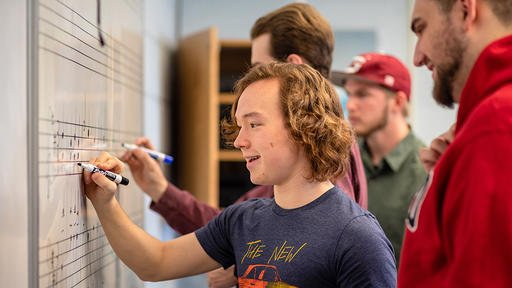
x=154, y=154
x=110, y=175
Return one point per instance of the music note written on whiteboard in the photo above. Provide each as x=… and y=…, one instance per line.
x=89, y=101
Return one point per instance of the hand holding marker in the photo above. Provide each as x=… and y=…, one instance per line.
x=110, y=175
x=154, y=154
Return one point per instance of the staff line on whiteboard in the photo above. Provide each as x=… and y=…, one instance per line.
x=73, y=261
x=111, y=68
x=96, y=27
x=136, y=72
x=102, y=139
x=78, y=137
x=135, y=56
x=91, y=69
x=94, y=272
x=72, y=249
x=135, y=216
x=85, y=266
x=89, y=126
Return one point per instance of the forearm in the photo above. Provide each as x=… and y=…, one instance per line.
x=147, y=256
x=137, y=249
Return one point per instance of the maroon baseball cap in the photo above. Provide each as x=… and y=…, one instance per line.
x=377, y=68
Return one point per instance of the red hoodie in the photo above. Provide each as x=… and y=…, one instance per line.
x=463, y=235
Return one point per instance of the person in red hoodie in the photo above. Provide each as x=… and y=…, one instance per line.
x=459, y=227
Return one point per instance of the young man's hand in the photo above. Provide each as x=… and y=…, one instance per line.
x=430, y=155
x=146, y=171
x=98, y=188
x=220, y=278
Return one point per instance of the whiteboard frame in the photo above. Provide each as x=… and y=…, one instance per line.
x=33, y=140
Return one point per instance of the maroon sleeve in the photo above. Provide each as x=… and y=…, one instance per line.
x=354, y=181
x=182, y=211
x=358, y=177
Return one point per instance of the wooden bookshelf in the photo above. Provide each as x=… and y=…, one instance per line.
x=226, y=98
x=230, y=155
x=207, y=70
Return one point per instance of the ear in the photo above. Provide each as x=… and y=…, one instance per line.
x=468, y=9
x=399, y=101
x=295, y=59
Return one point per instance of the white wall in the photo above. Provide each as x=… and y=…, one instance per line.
x=235, y=18
x=389, y=19
x=159, y=40
x=13, y=167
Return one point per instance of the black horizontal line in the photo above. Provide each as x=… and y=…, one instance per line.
x=79, y=149
x=83, y=53
x=87, y=126
x=74, y=260
x=94, y=272
x=65, y=135
x=89, y=264
x=80, y=137
x=91, y=69
x=92, y=58
x=134, y=59
x=135, y=216
x=76, y=37
x=57, y=175
x=70, y=237
x=62, y=161
x=137, y=70
x=102, y=31
x=76, y=62
x=72, y=249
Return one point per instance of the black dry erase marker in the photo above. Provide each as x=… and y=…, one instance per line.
x=110, y=175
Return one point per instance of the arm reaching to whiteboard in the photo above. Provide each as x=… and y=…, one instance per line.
x=150, y=258
x=145, y=170
x=181, y=210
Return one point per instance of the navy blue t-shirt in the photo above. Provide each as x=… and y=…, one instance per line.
x=330, y=242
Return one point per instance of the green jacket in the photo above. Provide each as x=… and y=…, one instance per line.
x=392, y=184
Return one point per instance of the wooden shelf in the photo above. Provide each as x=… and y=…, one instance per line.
x=231, y=156
x=235, y=43
x=226, y=98
x=208, y=69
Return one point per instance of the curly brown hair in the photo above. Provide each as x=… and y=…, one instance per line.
x=298, y=28
x=312, y=113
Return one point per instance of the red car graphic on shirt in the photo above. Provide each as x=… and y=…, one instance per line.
x=262, y=276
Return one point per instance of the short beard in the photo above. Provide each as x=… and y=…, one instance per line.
x=454, y=49
x=383, y=121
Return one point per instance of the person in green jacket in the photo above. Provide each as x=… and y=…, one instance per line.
x=378, y=88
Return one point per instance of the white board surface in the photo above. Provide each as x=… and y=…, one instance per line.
x=89, y=100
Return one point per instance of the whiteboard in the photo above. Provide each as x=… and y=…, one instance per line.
x=89, y=99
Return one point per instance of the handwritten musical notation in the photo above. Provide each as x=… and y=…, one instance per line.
x=89, y=101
